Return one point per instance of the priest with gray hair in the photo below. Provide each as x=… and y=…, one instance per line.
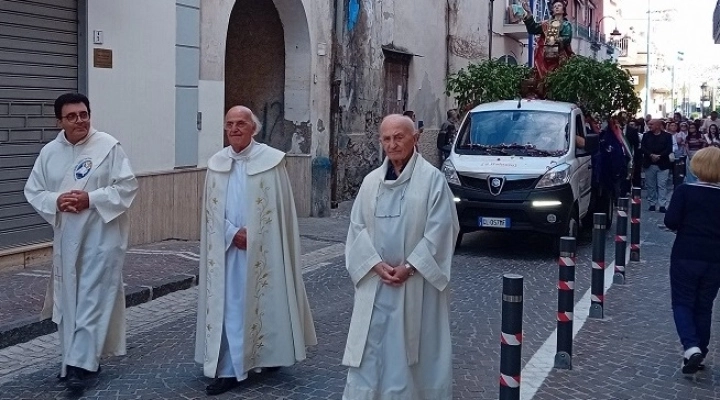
x=253, y=313
x=399, y=248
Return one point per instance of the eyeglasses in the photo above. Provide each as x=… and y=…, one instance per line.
x=82, y=116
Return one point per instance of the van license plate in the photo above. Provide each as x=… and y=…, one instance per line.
x=489, y=222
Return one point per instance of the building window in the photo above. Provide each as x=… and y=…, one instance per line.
x=514, y=12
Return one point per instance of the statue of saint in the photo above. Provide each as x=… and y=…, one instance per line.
x=553, y=45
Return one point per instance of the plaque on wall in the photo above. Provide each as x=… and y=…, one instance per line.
x=102, y=58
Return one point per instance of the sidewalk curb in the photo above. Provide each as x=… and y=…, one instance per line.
x=29, y=328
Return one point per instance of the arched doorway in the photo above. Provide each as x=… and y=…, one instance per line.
x=267, y=68
x=255, y=66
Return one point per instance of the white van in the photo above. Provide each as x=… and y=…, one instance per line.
x=524, y=165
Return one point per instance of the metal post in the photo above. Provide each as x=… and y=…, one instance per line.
x=531, y=40
x=647, y=67
x=672, y=91
x=566, y=303
x=621, y=227
x=597, y=285
x=511, y=337
x=490, y=29
x=635, y=224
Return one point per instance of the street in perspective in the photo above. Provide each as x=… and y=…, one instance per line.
x=631, y=353
x=358, y=200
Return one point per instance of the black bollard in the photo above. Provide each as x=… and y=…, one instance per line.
x=597, y=285
x=635, y=209
x=511, y=337
x=621, y=240
x=566, y=303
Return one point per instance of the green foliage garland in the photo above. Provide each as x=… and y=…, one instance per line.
x=486, y=82
x=598, y=87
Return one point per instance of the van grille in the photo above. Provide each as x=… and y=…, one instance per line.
x=482, y=184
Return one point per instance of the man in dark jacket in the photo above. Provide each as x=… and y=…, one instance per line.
x=656, y=147
x=447, y=134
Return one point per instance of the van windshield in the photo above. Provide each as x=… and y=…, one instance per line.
x=515, y=132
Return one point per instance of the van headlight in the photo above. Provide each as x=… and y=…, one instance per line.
x=450, y=174
x=559, y=175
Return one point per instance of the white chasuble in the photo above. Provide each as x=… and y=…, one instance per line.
x=399, y=344
x=257, y=297
x=86, y=296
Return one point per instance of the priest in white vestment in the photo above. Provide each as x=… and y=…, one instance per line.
x=82, y=185
x=253, y=313
x=403, y=228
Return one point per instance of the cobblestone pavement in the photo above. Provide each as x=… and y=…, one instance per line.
x=632, y=353
x=635, y=352
x=156, y=266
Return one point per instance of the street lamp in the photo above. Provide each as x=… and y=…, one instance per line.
x=615, y=32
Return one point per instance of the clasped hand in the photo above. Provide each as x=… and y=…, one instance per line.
x=393, y=276
x=73, y=201
x=240, y=239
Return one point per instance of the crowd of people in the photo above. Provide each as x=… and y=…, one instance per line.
x=662, y=152
x=681, y=163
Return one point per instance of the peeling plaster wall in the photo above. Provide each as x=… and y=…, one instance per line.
x=468, y=40
x=416, y=27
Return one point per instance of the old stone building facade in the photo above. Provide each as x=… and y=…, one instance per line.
x=320, y=74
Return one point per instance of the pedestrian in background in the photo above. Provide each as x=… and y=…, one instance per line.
x=695, y=259
x=446, y=135
x=82, y=184
x=253, y=313
x=632, y=135
x=400, y=243
x=695, y=142
x=710, y=121
x=712, y=137
x=657, y=147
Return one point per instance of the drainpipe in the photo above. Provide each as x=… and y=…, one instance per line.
x=335, y=110
x=447, y=39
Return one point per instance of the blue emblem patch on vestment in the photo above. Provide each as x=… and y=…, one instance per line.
x=82, y=169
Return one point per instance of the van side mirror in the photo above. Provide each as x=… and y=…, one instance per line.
x=592, y=142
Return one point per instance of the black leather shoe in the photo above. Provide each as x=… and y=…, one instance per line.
x=652, y=208
x=88, y=374
x=75, y=377
x=221, y=385
x=663, y=210
x=92, y=374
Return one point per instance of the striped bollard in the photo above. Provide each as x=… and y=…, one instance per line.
x=566, y=303
x=621, y=240
x=635, y=209
x=597, y=285
x=511, y=337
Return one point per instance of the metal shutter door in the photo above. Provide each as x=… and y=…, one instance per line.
x=38, y=62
